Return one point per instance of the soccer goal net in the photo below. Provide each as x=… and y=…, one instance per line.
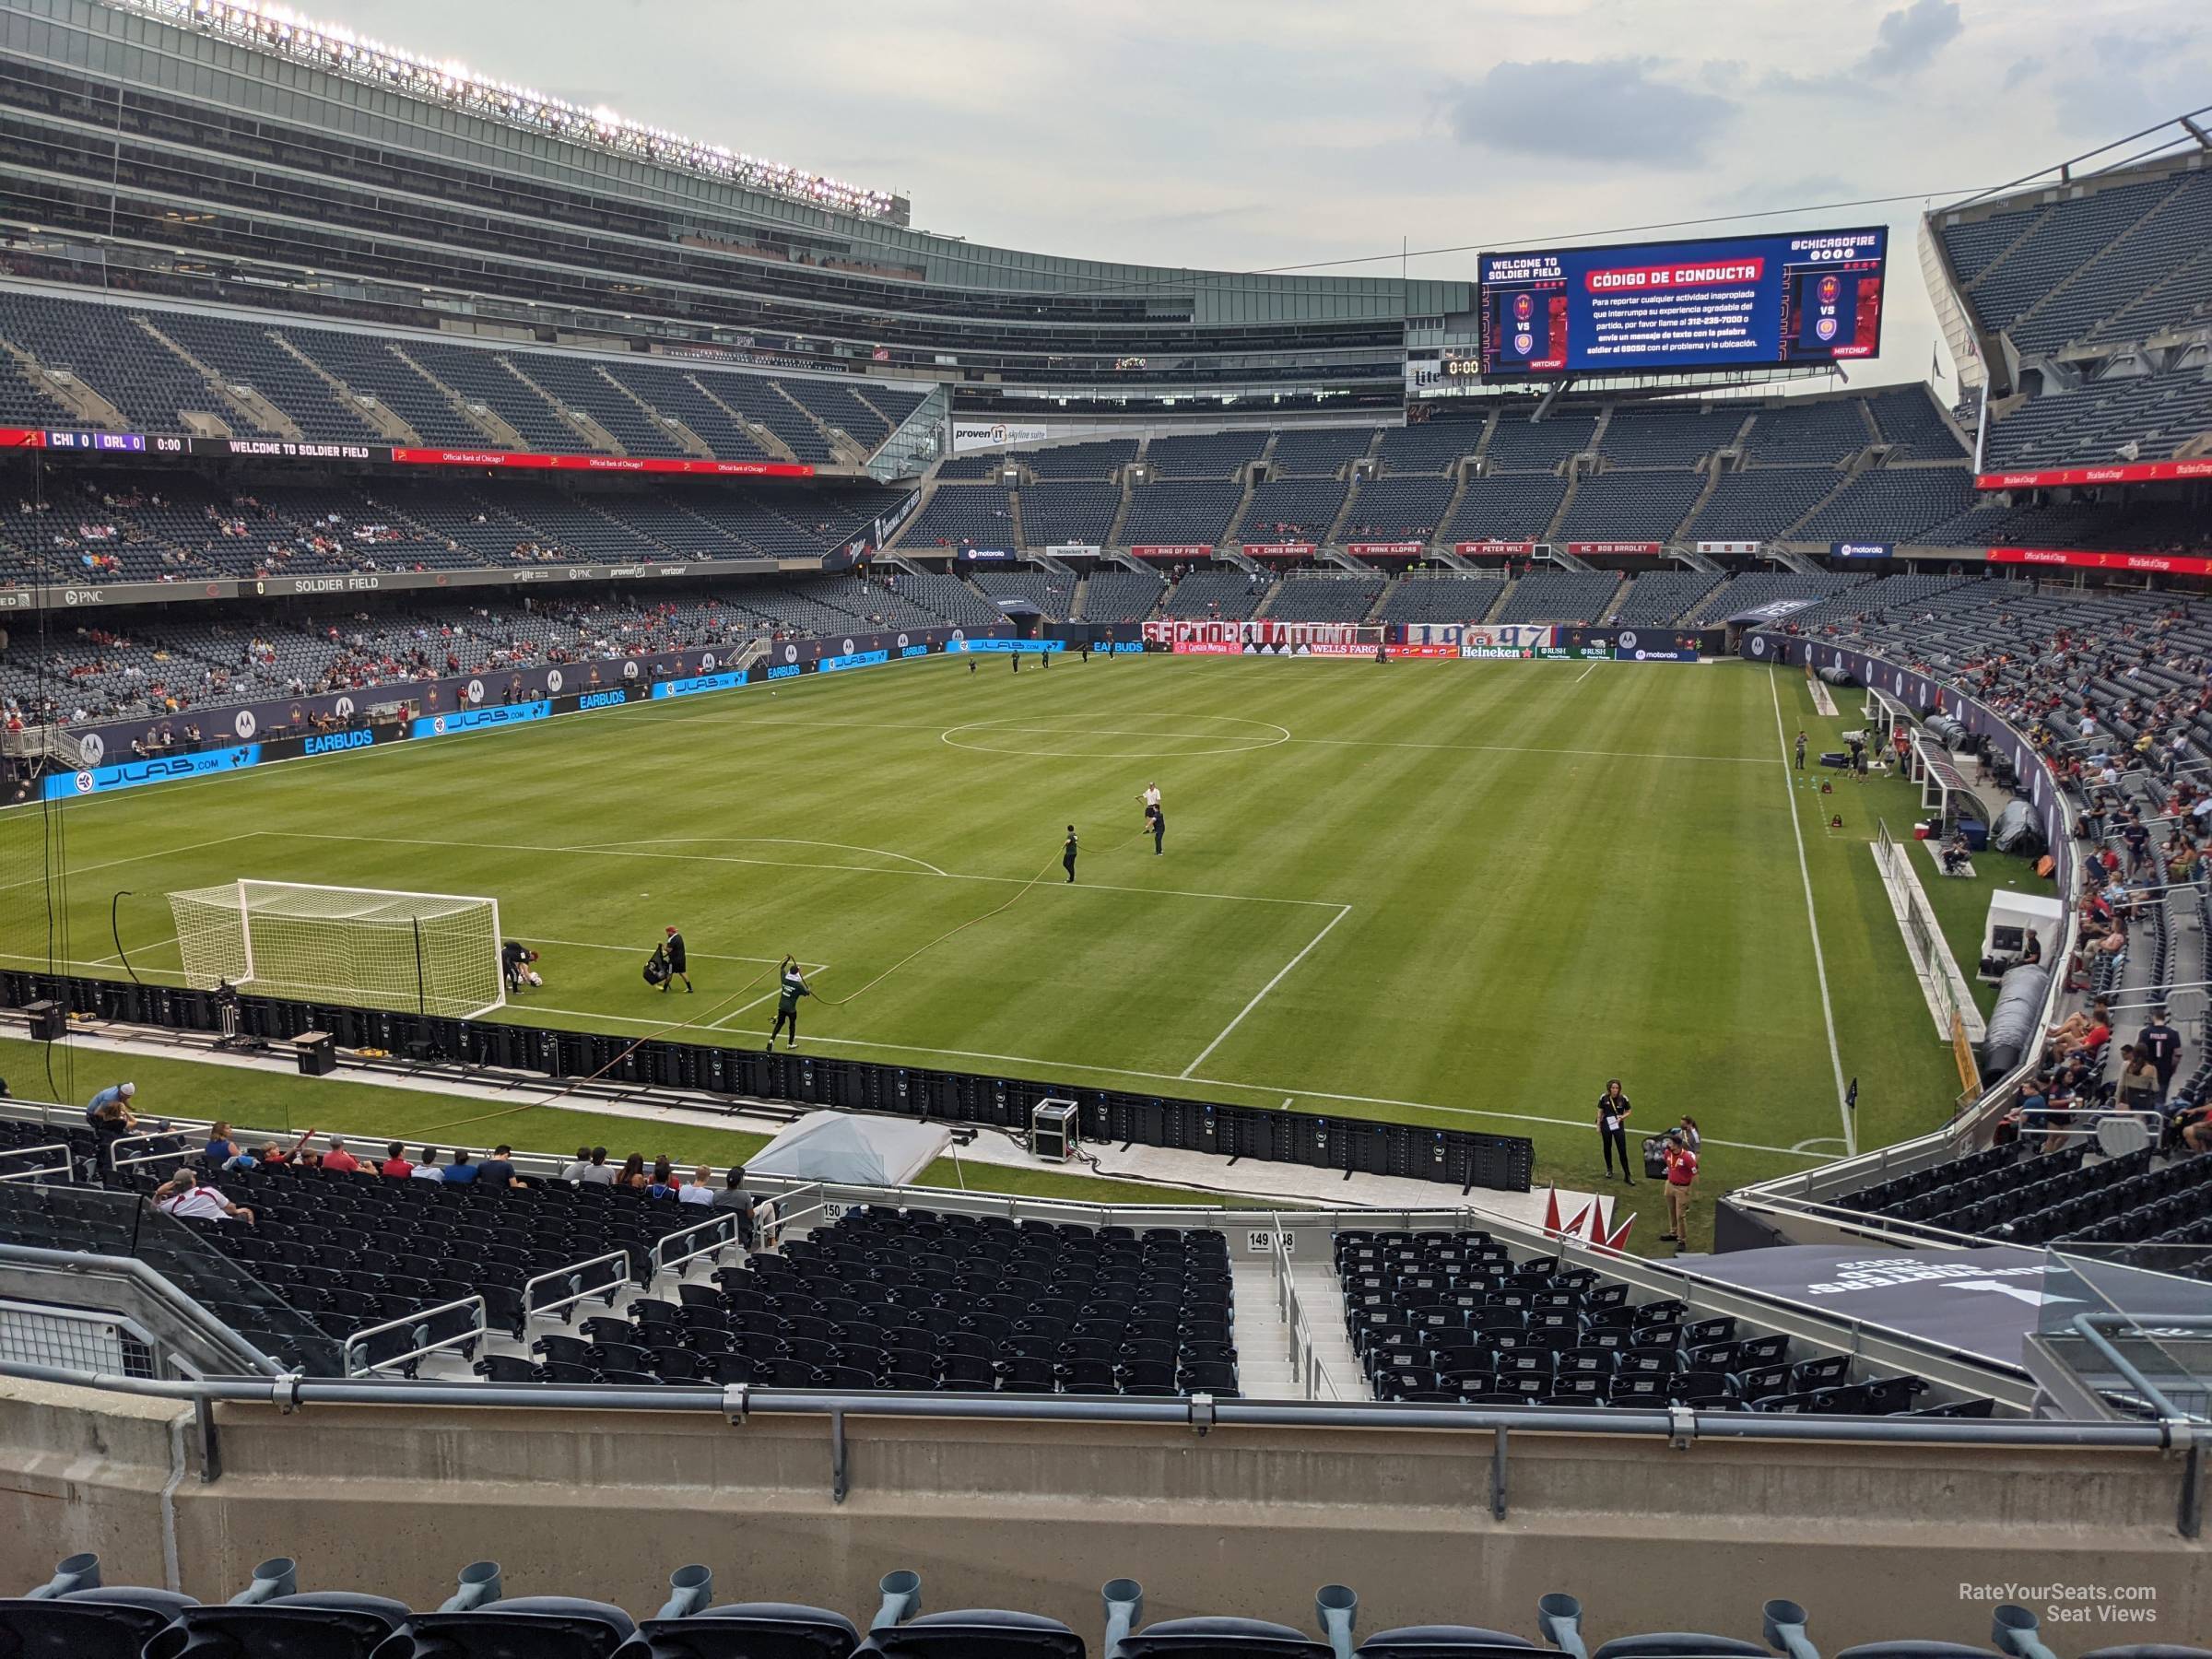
x=433, y=953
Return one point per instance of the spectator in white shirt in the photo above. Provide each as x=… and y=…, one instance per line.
x=184, y=1195
x=426, y=1167
x=696, y=1190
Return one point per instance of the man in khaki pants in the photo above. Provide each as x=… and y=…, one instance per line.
x=1681, y=1175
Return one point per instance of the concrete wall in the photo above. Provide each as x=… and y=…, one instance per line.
x=1874, y=1541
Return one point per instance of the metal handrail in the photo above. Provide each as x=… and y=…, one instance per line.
x=574, y=1271
x=723, y=1225
x=66, y=1168
x=737, y=1401
x=780, y=1211
x=1305, y=1363
x=418, y=1320
x=180, y=1153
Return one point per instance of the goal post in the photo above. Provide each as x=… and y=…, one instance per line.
x=430, y=953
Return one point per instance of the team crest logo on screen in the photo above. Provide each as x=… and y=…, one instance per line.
x=245, y=724
x=1826, y=328
x=1830, y=288
x=1524, y=342
x=1524, y=308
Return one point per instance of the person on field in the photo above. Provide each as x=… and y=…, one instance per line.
x=1067, y=854
x=1801, y=749
x=1681, y=1179
x=1158, y=821
x=678, y=960
x=1613, y=1110
x=791, y=986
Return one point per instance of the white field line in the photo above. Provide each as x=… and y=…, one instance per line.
x=784, y=864
x=1586, y=673
x=1343, y=910
x=644, y=950
x=1513, y=749
x=761, y=841
x=137, y=858
x=1812, y=922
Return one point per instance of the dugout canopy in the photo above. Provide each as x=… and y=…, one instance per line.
x=840, y=1147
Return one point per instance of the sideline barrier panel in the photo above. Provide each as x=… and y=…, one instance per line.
x=1462, y=1157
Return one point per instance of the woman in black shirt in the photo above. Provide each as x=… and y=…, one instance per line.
x=1612, y=1128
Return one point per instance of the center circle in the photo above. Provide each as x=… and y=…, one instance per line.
x=1191, y=734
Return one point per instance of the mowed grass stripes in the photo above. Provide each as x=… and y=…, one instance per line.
x=1508, y=881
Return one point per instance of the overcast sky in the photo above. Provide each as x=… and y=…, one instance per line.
x=1244, y=133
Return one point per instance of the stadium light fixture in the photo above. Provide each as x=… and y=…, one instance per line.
x=274, y=28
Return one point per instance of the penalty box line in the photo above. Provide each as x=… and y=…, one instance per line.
x=931, y=874
x=1281, y=974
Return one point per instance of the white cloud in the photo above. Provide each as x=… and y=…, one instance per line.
x=1625, y=111
x=1908, y=38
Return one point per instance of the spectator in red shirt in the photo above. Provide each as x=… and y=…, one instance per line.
x=338, y=1159
x=396, y=1164
x=1681, y=1177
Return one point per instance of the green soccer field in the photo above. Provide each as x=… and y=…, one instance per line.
x=1455, y=893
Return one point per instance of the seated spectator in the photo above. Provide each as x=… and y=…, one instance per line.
x=572, y=1171
x=110, y=1125
x=114, y=1091
x=598, y=1172
x=426, y=1166
x=734, y=1197
x=463, y=1171
x=2031, y=951
x=396, y=1164
x=2139, y=1088
x=184, y=1195
x=663, y=1183
x=2192, y=1127
x=335, y=1158
x=632, y=1178
x=497, y=1170
x=220, y=1148
x=697, y=1190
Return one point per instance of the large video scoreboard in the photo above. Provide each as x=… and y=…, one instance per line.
x=1652, y=307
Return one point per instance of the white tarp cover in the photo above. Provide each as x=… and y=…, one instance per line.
x=852, y=1151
